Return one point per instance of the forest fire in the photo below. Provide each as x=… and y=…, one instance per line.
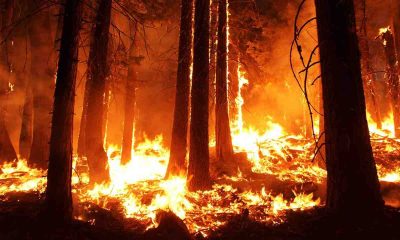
x=140, y=189
x=237, y=120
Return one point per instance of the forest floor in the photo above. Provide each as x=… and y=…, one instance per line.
x=18, y=220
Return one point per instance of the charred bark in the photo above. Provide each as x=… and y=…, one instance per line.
x=369, y=78
x=176, y=165
x=213, y=65
x=198, y=169
x=130, y=98
x=392, y=77
x=97, y=75
x=224, y=149
x=352, y=184
x=58, y=202
x=42, y=83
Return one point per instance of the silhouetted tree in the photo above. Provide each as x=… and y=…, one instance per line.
x=58, y=202
x=198, y=169
x=224, y=149
x=352, y=184
x=7, y=151
x=130, y=98
x=42, y=80
x=176, y=165
x=97, y=74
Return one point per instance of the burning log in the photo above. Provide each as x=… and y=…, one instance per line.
x=170, y=227
x=392, y=75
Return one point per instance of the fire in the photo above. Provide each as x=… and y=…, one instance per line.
x=139, y=189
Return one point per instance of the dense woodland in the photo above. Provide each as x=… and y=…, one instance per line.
x=80, y=75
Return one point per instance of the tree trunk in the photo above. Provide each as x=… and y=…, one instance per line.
x=352, y=184
x=25, y=137
x=130, y=98
x=368, y=76
x=213, y=65
x=224, y=149
x=7, y=151
x=82, y=129
x=58, y=202
x=176, y=165
x=393, y=77
x=198, y=169
x=396, y=25
x=42, y=80
x=97, y=75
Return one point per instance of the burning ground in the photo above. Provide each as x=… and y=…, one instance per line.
x=278, y=178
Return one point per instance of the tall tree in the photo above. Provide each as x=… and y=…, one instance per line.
x=352, y=184
x=97, y=74
x=369, y=78
x=25, y=137
x=58, y=202
x=396, y=24
x=392, y=76
x=198, y=169
x=42, y=81
x=176, y=165
x=7, y=151
x=130, y=96
x=224, y=149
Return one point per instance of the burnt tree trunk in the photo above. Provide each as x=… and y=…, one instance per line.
x=392, y=76
x=82, y=129
x=58, y=202
x=176, y=165
x=352, y=183
x=97, y=75
x=42, y=82
x=130, y=98
x=7, y=151
x=198, y=169
x=213, y=65
x=25, y=137
x=368, y=76
x=224, y=149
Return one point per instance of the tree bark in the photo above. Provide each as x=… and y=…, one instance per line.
x=97, y=75
x=130, y=98
x=42, y=82
x=58, y=201
x=213, y=66
x=198, y=169
x=176, y=164
x=223, y=136
x=393, y=77
x=352, y=184
x=369, y=78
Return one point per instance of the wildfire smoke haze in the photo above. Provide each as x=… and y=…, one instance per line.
x=275, y=138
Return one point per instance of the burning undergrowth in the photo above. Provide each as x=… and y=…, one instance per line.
x=277, y=176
